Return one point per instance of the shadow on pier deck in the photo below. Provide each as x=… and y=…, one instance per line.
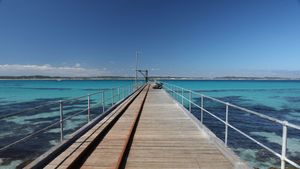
x=148, y=130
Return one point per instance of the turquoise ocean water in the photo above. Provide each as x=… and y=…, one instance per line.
x=279, y=99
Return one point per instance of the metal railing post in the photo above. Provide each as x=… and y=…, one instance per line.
x=284, y=144
x=125, y=92
x=202, y=106
x=182, y=96
x=118, y=93
x=226, y=125
x=61, y=121
x=176, y=94
x=122, y=94
x=173, y=91
x=190, y=101
x=178, y=97
x=103, y=101
x=89, y=108
x=112, y=96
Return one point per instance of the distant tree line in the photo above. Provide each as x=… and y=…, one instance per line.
x=41, y=77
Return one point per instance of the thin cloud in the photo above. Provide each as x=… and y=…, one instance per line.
x=77, y=65
x=254, y=73
x=49, y=70
x=155, y=69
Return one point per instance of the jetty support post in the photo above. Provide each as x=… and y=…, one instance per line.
x=177, y=94
x=61, y=120
x=190, y=101
x=89, y=108
x=112, y=96
x=202, y=104
x=103, y=101
x=284, y=144
x=122, y=93
x=226, y=124
x=173, y=91
x=182, y=96
x=118, y=93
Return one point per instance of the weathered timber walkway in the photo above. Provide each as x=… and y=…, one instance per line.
x=148, y=130
x=167, y=138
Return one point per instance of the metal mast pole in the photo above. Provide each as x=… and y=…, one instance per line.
x=136, y=67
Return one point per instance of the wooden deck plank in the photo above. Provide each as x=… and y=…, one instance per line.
x=167, y=138
x=104, y=157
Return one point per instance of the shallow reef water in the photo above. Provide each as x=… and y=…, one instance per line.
x=278, y=99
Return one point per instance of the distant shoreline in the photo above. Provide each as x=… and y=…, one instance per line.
x=133, y=78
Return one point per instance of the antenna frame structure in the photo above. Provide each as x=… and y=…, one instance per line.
x=143, y=72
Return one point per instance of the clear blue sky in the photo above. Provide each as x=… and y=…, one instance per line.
x=176, y=37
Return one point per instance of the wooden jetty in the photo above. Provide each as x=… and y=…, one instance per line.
x=148, y=130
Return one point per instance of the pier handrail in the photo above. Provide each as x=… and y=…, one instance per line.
x=178, y=91
x=64, y=101
x=122, y=93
